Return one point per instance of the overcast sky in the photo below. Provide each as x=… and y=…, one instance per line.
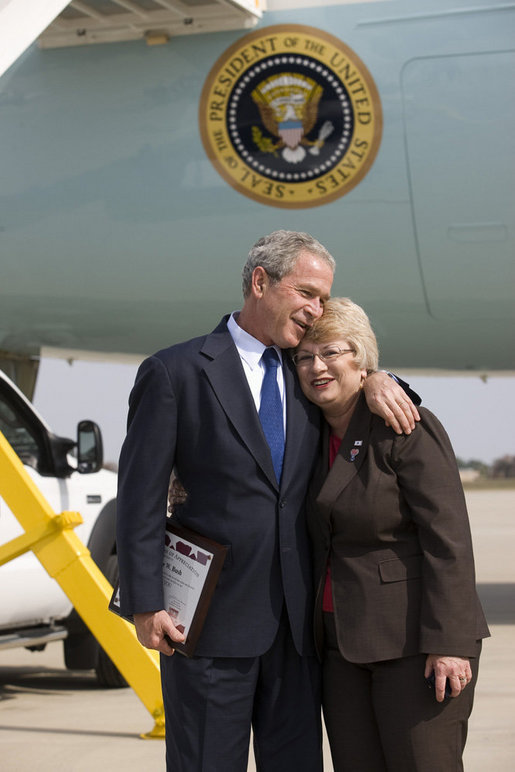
x=479, y=417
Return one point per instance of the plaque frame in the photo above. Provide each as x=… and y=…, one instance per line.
x=197, y=606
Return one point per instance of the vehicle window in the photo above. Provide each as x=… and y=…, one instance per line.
x=18, y=435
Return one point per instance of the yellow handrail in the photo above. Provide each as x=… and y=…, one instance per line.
x=65, y=558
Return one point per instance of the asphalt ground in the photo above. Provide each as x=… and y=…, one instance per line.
x=54, y=720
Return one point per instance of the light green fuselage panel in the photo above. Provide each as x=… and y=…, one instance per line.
x=117, y=233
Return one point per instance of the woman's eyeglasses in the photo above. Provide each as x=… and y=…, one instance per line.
x=304, y=359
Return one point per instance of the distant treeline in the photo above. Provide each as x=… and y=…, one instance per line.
x=500, y=469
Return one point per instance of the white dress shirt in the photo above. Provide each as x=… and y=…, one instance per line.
x=251, y=350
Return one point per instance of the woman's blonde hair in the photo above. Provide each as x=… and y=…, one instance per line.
x=344, y=319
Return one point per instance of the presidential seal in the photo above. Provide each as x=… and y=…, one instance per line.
x=290, y=116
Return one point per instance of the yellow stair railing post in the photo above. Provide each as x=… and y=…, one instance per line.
x=65, y=558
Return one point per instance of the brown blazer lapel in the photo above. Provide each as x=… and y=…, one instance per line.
x=347, y=463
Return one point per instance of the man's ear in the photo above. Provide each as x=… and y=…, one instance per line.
x=259, y=281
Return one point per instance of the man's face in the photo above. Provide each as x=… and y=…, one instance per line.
x=288, y=307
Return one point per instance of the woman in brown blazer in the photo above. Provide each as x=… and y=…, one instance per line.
x=396, y=601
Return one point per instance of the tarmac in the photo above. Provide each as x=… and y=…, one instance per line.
x=54, y=720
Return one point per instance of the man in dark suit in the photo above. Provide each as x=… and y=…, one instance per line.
x=197, y=408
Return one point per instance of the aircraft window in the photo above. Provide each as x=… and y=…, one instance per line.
x=18, y=435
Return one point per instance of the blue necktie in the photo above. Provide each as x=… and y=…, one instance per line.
x=271, y=410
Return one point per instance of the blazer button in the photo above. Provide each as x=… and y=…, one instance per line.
x=282, y=503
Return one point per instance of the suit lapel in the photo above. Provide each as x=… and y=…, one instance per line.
x=301, y=415
x=225, y=373
x=350, y=457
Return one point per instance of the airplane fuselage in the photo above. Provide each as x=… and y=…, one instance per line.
x=126, y=218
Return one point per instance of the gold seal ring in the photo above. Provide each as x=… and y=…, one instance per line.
x=290, y=117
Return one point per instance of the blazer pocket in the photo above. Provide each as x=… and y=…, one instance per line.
x=401, y=569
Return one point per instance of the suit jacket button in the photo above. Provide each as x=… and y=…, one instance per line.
x=282, y=503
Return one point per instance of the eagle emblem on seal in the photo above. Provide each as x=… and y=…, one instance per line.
x=288, y=106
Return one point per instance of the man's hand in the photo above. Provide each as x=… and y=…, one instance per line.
x=176, y=494
x=388, y=400
x=456, y=669
x=151, y=629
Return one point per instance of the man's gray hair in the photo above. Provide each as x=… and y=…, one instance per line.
x=278, y=252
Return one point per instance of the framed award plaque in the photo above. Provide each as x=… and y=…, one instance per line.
x=191, y=566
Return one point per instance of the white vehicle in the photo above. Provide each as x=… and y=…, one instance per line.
x=33, y=609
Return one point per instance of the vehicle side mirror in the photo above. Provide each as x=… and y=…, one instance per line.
x=90, y=453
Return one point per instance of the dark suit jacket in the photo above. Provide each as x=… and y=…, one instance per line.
x=191, y=408
x=395, y=525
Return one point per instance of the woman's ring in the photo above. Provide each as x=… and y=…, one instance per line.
x=462, y=678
